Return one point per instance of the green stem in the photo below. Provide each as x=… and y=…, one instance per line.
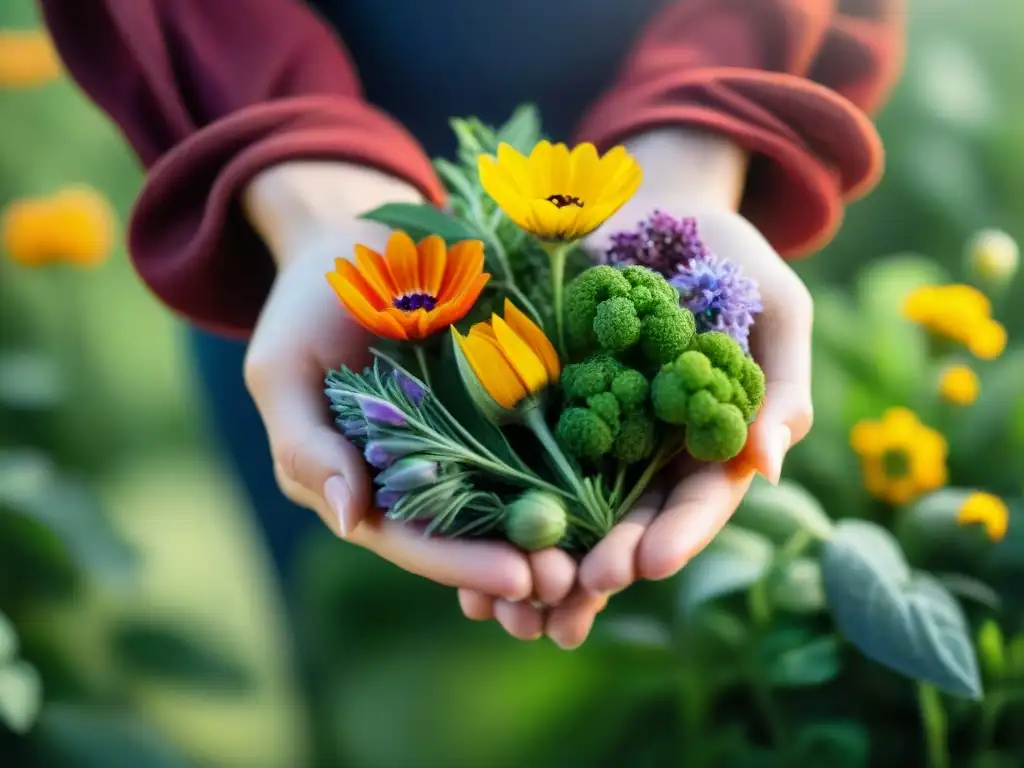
x=658, y=461
x=421, y=358
x=933, y=718
x=620, y=481
x=559, y=253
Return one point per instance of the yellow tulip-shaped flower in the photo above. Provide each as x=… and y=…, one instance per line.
x=557, y=194
x=901, y=458
x=505, y=361
x=988, y=510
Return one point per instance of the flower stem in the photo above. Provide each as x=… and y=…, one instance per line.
x=933, y=718
x=421, y=358
x=660, y=458
x=559, y=253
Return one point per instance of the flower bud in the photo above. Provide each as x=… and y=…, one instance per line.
x=993, y=256
x=992, y=649
x=381, y=411
x=408, y=474
x=411, y=388
x=536, y=520
x=353, y=427
x=384, y=452
x=385, y=499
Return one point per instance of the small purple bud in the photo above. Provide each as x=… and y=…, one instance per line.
x=385, y=499
x=383, y=452
x=381, y=411
x=408, y=475
x=354, y=427
x=410, y=387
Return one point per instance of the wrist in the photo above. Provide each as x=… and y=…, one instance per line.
x=690, y=170
x=310, y=209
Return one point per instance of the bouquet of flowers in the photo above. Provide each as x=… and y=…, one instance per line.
x=571, y=383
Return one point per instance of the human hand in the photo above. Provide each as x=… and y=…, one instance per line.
x=307, y=213
x=668, y=527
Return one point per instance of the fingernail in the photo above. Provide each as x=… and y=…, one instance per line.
x=339, y=497
x=777, y=448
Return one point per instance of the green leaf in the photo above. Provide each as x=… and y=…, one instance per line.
x=21, y=696
x=991, y=416
x=523, y=129
x=734, y=561
x=837, y=744
x=8, y=639
x=782, y=510
x=76, y=737
x=794, y=658
x=797, y=587
x=31, y=487
x=970, y=588
x=928, y=528
x=640, y=632
x=905, y=621
x=419, y=221
x=163, y=652
x=30, y=381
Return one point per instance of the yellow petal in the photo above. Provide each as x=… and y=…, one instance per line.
x=492, y=370
x=583, y=179
x=403, y=261
x=867, y=438
x=527, y=363
x=517, y=170
x=531, y=333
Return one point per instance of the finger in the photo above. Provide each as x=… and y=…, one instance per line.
x=610, y=566
x=554, y=573
x=569, y=624
x=781, y=343
x=519, y=619
x=695, y=512
x=476, y=606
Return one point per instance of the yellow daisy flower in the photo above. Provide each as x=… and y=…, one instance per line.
x=901, y=458
x=986, y=340
x=557, y=194
x=27, y=59
x=75, y=226
x=988, y=510
x=959, y=385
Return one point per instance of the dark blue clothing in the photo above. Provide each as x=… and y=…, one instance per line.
x=424, y=63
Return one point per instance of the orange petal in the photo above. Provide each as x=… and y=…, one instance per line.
x=534, y=336
x=378, y=323
x=348, y=272
x=433, y=258
x=527, y=363
x=492, y=369
x=465, y=261
x=374, y=269
x=458, y=306
x=404, y=263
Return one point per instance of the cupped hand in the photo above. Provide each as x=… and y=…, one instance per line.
x=308, y=215
x=674, y=521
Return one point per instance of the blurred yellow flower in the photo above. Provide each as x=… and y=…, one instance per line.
x=958, y=312
x=993, y=256
x=988, y=510
x=901, y=458
x=75, y=226
x=557, y=194
x=959, y=385
x=27, y=59
x=987, y=339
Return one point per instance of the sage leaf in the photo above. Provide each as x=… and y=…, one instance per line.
x=908, y=622
x=795, y=658
x=421, y=220
x=735, y=560
x=780, y=511
x=797, y=587
x=523, y=129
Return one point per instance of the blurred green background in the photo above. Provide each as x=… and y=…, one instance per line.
x=133, y=578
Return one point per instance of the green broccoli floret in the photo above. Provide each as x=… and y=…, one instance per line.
x=713, y=390
x=607, y=411
x=615, y=310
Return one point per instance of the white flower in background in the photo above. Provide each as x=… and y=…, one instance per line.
x=951, y=84
x=993, y=256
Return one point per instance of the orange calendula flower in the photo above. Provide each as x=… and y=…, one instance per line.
x=27, y=59
x=988, y=510
x=558, y=194
x=76, y=226
x=505, y=361
x=959, y=385
x=413, y=290
x=901, y=458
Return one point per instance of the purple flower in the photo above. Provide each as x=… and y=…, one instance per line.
x=385, y=499
x=720, y=297
x=408, y=474
x=381, y=411
x=409, y=386
x=386, y=451
x=661, y=242
x=354, y=427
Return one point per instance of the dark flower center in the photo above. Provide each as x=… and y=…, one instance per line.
x=895, y=464
x=564, y=201
x=410, y=302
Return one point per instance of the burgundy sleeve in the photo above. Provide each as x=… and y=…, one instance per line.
x=793, y=81
x=209, y=93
